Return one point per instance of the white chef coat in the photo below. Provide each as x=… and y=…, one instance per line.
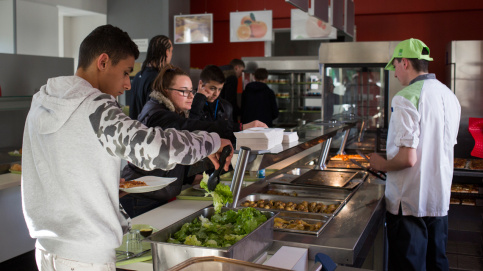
x=426, y=116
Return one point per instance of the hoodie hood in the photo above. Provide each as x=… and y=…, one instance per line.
x=58, y=99
x=160, y=98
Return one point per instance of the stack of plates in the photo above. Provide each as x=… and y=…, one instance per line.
x=259, y=138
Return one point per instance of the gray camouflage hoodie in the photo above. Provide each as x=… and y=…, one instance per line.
x=74, y=139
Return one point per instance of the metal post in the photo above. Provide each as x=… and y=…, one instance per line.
x=324, y=152
x=238, y=174
x=345, y=136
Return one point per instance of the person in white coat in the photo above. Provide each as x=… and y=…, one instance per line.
x=420, y=147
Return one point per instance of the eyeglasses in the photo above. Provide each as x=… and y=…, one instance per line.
x=185, y=92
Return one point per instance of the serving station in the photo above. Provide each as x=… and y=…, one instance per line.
x=335, y=211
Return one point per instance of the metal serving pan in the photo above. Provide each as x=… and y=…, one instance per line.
x=214, y=263
x=167, y=255
x=297, y=200
x=307, y=192
x=307, y=217
x=332, y=178
x=299, y=176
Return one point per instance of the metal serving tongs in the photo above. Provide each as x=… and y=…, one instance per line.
x=215, y=176
x=379, y=174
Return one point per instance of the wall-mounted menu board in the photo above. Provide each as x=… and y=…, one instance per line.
x=193, y=28
x=251, y=26
x=305, y=27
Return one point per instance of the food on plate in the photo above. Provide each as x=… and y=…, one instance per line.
x=464, y=188
x=346, y=157
x=454, y=201
x=471, y=202
x=221, y=230
x=304, y=206
x=459, y=163
x=296, y=224
x=221, y=196
x=476, y=164
x=456, y=188
x=16, y=167
x=279, y=193
x=131, y=184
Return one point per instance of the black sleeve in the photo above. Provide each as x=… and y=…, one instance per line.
x=196, y=111
x=229, y=93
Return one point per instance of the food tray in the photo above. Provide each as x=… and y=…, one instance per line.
x=308, y=192
x=307, y=217
x=326, y=178
x=345, y=164
x=297, y=200
x=293, y=174
x=167, y=255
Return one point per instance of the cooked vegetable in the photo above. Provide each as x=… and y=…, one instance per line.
x=222, y=230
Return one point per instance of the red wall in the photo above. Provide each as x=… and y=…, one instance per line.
x=436, y=22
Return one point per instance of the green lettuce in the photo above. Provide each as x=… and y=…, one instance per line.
x=221, y=230
x=221, y=196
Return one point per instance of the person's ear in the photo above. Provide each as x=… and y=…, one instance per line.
x=102, y=61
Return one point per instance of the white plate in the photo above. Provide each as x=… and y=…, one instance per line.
x=153, y=183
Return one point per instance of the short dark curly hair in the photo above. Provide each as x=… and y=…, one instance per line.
x=106, y=39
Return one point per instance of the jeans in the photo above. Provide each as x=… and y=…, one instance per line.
x=417, y=243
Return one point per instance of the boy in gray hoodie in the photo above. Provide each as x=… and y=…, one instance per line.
x=74, y=139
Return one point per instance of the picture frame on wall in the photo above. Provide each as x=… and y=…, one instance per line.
x=306, y=27
x=193, y=28
x=249, y=26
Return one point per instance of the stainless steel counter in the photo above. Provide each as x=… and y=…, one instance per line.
x=353, y=228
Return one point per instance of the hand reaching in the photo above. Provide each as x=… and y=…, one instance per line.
x=255, y=123
x=215, y=158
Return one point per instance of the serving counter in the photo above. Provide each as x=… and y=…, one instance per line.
x=354, y=235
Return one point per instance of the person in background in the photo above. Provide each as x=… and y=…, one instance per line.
x=168, y=107
x=208, y=106
x=160, y=52
x=420, y=145
x=232, y=72
x=258, y=100
x=74, y=139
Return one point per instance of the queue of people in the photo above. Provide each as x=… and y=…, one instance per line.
x=71, y=202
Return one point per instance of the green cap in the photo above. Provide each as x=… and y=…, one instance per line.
x=411, y=48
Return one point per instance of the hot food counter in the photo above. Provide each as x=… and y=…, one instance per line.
x=351, y=216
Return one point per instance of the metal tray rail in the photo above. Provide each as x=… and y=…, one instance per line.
x=166, y=255
x=255, y=197
x=307, y=217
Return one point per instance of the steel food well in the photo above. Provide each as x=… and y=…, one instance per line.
x=167, y=255
x=306, y=217
x=295, y=200
x=306, y=192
